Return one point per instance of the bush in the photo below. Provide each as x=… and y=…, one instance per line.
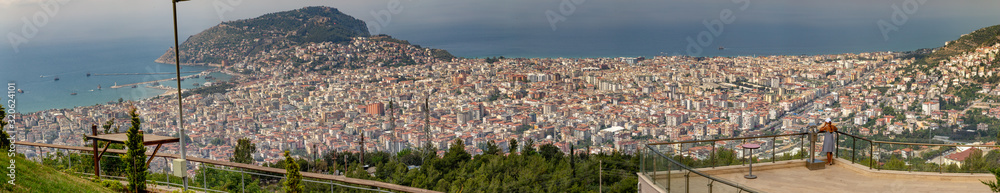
x=114, y=185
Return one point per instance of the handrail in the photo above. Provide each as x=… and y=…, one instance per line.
x=854, y=136
x=692, y=170
x=736, y=138
x=921, y=144
x=379, y=184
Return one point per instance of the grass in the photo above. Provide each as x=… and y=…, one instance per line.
x=34, y=177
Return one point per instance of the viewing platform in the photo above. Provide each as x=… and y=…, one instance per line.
x=792, y=176
x=860, y=165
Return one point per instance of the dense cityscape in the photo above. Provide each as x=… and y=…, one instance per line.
x=312, y=91
x=289, y=101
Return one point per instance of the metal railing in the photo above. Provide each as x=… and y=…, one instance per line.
x=911, y=157
x=670, y=165
x=208, y=177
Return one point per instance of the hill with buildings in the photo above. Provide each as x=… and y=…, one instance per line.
x=983, y=37
x=235, y=40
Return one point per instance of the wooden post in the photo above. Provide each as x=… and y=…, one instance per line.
x=97, y=165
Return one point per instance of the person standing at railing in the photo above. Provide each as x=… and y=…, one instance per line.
x=828, y=140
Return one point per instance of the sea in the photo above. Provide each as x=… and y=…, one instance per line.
x=34, y=70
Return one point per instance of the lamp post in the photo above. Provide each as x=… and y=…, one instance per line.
x=180, y=102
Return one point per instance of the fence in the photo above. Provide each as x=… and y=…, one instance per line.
x=211, y=176
x=902, y=156
x=670, y=165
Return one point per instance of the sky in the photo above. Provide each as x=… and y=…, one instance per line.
x=518, y=24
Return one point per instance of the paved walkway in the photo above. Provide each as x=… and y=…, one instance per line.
x=842, y=178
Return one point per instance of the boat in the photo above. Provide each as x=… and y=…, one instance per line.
x=195, y=84
x=722, y=48
x=74, y=94
x=98, y=87
x=133, y=86
x=57, y=78
x=20, y=91
x=88, y=74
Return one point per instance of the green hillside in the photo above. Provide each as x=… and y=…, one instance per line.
x=982, y=37
x=33, y=177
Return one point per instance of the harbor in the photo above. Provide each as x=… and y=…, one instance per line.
x=169, y=79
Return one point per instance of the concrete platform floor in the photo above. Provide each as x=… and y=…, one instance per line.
x=846, y=177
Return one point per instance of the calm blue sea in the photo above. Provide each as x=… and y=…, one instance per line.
x=35, y=68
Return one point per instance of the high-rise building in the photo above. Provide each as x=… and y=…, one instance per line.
x=376, y=108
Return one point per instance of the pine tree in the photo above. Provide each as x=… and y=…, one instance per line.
x=492, y=148
x=4, y=141
x=293, y=180
x=513, y=146
x=243, y=153
x=136, y=156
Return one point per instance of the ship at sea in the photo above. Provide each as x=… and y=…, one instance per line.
x=98, y=87
x=74, y=94
x=57, y=78
x=20, y=91
x=88, y=74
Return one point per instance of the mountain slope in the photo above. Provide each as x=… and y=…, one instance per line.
x=234, y=40
x=987, y=36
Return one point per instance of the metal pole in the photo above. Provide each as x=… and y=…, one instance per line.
x=871, y=154
x=97, y=165
x=243, y=186
x=773, y=143
x=687, y=182
x=204, y=177
x=854, y=148
x=713, y=155
x=180, y=103
x=836, y=144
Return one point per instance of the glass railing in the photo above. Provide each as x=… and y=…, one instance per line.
x=673, y=166
x=915, y=157
x=673, y=176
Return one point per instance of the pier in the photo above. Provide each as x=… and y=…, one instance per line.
x=151, y=73
x=147, y=82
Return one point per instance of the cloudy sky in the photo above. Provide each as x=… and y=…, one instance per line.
x=431, y=21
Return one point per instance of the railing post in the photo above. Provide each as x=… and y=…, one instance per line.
x=713, y=155
x=744, y=162
x=854, y=148
x=243, y=186
x=836, y=144
x=669, y=176
x=710, y=186
x=97, y=164
x=204, y=177
x=687, y=182
x=802, y=141
x=773, y=143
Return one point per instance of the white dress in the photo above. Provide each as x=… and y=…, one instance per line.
x=828, y=142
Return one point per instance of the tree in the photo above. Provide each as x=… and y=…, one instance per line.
x=4, y=141
x=491, y=148
x=243, y=153
x=529, y=147
x=293, y=179
x=513, y=146
x=135, y=157
x=550, y=152
x=455, y=156
x=994, y=185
